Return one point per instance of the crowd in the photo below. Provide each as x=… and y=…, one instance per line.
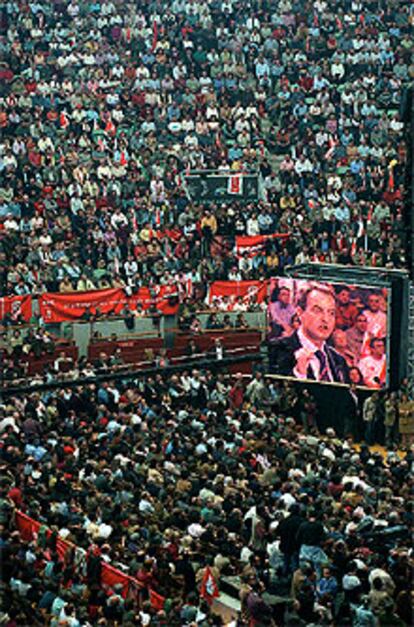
x=164, y=476
x=104, y=106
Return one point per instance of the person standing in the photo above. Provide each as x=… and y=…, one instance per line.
x=351, y=411
x=310, y=537
x=287, y=530
x=390, y=419
x=406, y=421
x=369, y=414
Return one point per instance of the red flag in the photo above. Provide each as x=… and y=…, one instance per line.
x=391, y=182
x=63, y=120
x=255, y=244
x=110, y=127
x=157, y=601
x=154, y=36
x=16, y=306
x=235, y=184
x=209, y=588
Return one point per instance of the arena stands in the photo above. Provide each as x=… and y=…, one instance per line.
x=105, y=106
x=156, y=476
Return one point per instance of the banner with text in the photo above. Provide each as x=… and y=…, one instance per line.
x=230, y=295
x=65, y=307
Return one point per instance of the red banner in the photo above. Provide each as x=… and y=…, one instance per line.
x=58, y=307
x=26, y=525
x=16, y=307
x=225, y=294
x=235, y=184
x=70, y=306
x=165, y=297
x=255, y=244
x=110, y=576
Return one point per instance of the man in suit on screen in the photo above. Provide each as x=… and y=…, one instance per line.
x=306, y=354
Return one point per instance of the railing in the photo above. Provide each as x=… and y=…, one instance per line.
x=138, y=370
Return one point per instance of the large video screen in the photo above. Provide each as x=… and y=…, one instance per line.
x=329, y=332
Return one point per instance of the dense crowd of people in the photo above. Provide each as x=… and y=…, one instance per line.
x=164, y=476
x=105, y=105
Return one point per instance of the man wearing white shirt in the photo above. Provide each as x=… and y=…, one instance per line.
x=377, y=319
x=373, y=367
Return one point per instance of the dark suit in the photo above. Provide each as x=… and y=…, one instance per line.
x=282, y=359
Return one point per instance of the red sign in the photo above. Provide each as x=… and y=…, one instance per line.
x=209, y=588
x=16, y=307
x=165, y=298
x=59, y=307
x=225, y=294
x=255, y=244
x=69, y=306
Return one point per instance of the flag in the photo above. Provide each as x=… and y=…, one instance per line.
x=157, y=216
x=391, y=180
x=110, y=127
x=255, y=244
x=63, y=120
x=235, y=184
x=209, y=588
x=157, y=601
x=154, y=35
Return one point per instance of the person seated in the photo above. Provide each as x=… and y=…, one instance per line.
x=227, y=322
x=241, y=322
x=213, y=322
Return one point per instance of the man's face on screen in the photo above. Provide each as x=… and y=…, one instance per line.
x=361, y=323
x=378, y=349
x=374, y=302
x=318, y=319
x=343, y=297
x=284, y=296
